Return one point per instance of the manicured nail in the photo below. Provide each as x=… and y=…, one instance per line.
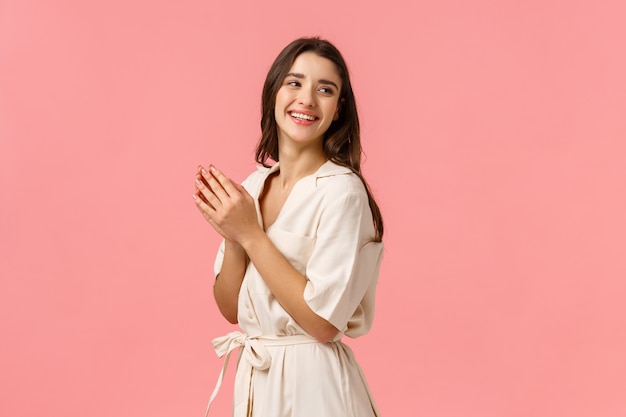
x=212, y=168
x=195, y=197
x=198, y=182
x=204, y=171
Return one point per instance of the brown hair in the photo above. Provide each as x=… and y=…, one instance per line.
x=342, y=142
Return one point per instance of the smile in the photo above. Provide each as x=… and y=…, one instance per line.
x=302, y=116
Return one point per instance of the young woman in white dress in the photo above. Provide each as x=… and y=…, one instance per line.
x=299, y=262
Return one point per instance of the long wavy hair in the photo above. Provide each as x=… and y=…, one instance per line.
x=342, y=142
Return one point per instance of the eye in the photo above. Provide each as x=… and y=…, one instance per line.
x=292, y=83
x=326, y=90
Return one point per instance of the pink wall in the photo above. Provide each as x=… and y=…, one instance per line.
x=496, y=140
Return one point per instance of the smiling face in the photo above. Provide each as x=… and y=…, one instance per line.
x=307, y=101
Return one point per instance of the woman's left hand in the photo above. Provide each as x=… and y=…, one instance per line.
x=226, y=205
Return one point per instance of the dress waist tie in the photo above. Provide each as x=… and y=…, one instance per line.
x=256, y=357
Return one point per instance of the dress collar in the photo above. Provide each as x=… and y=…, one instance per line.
x=328, y=169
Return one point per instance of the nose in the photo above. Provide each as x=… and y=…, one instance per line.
x=306, y=97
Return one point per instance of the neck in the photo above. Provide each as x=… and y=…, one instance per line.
x=296, y=164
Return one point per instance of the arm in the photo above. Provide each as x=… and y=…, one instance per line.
x=231, y=211
x=228, y=282
x=234, y=262
x=287, y=285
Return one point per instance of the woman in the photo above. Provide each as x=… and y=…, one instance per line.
x=302, y=246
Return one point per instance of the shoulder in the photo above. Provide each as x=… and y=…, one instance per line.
x=343, y=205
x=339, y=182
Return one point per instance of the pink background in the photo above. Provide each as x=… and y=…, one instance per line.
x=495, y=133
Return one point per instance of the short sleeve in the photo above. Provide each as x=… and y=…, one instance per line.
x=219, y=259
x=343, y=268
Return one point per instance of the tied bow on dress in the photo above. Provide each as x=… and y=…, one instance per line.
x=255, y=355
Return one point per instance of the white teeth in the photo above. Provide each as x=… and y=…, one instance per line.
x=302, y=116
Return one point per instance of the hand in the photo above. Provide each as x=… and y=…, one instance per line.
x=226, y=205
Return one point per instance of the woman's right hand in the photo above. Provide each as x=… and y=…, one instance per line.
x=227, y=206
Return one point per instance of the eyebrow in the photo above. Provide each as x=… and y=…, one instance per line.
x=298, y=75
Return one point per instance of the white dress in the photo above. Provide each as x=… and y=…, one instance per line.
x=325, y=230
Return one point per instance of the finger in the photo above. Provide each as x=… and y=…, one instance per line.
x=205, y=208
x=207, y=193
x=226, y=183
x=243, y=192
x=199, y=194
x=200, y=178
x=207, y=212
x=217, y=185
x=200, y=175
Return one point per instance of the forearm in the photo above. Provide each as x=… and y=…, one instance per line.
x=228, y=282
x=287, y=285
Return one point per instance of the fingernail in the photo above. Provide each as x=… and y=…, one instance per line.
x=195, y=197
x=204, y=171
x=212, y=168
x=198, y=182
